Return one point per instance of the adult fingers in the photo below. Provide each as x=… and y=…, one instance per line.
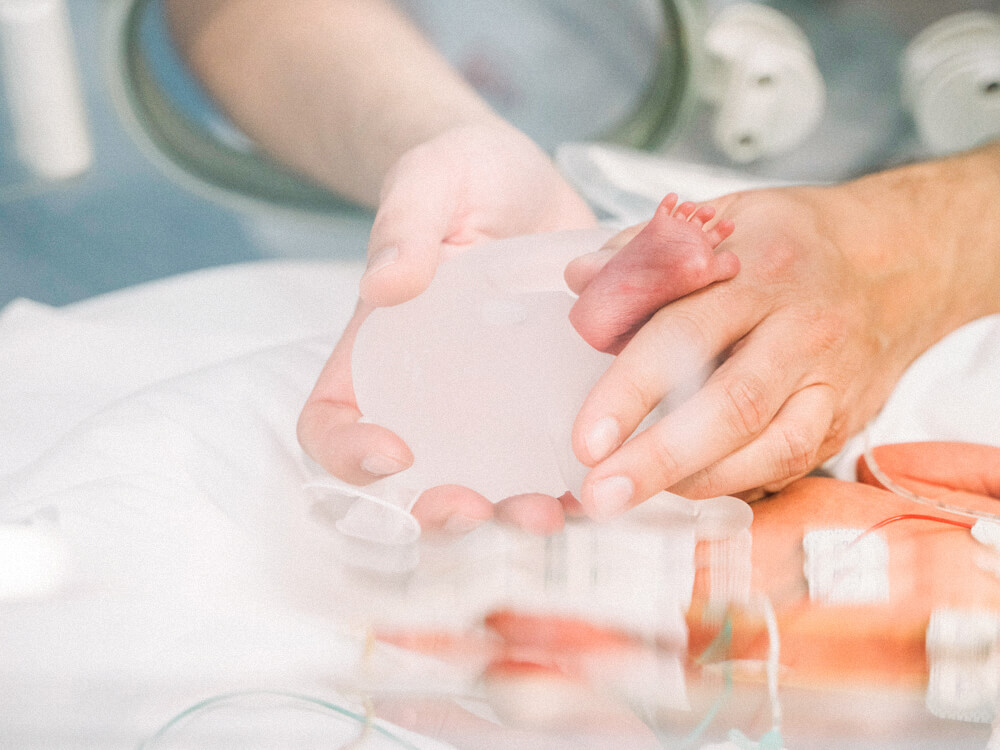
x=458, y=510
x=532, y=512
x=668, y=354
x=328, y=427
x=737, y=403
x=787, y=449
x=357, y=453
x=581, y=271
x=414, y=218
x=452, y=509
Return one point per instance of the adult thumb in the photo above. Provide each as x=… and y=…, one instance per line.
x=404, y=249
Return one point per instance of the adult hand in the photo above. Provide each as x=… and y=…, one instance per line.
x=467, y=185
x=803, y=347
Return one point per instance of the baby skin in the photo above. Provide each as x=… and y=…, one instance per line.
x=675, y=254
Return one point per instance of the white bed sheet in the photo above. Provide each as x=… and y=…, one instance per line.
x=151, y=433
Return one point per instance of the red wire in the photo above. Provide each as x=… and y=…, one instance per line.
x=910, y=516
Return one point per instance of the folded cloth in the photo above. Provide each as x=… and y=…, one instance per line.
x=150, y=440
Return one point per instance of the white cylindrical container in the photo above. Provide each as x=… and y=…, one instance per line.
x=43, y=90
x=763, y=80
x=951, y=81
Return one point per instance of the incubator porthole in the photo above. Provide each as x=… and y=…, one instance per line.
x=179, y=129
x=625, y=73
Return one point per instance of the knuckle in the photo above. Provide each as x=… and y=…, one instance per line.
x=665, y=461
x=748, y=402
x=684, y=335
x=828, y=330
x=705, y=484
x=836, y=437
x=776, y=264
x=635, y=395
x=797, y=451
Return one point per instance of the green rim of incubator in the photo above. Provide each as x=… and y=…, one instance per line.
x=188, y=150
x=669, y=100
x=200, y=160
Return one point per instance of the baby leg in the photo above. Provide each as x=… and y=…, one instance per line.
x=672, y=256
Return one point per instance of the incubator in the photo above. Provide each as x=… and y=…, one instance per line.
x=175, y=538
x=716, y=623
x=785, y=90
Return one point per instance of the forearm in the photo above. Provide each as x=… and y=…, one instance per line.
x=335, y=89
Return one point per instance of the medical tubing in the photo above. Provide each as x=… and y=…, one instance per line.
x=366, y=726
x=773, y=663
x=720, y=644
x=886, y=481
x=908, y=517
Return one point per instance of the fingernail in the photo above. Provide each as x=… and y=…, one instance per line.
x=382, y=259
x=602, y=438
x=461, y=524
x=611, y=495
x=596, y=255
x=380, y=465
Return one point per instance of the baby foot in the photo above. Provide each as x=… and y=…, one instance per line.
x=672, y=256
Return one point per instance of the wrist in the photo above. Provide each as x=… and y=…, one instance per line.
x=925, y=240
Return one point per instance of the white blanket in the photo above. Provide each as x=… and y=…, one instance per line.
x=150, y=443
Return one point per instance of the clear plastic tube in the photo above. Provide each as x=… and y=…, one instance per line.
x=891, y=485
x=209, y=718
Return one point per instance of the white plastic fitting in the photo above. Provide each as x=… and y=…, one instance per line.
x=951, y=81
x=763, y=79
x=43, y=88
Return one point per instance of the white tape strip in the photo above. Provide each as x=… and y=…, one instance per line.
x=839, y=572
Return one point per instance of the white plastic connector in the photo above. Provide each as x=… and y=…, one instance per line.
x=43, y=88
x=764, y=82
x=951, y=81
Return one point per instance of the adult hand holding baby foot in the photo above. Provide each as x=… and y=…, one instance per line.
x=354, y=97
x=507, y=369
x=482, y=374
x=840, y=288
x=833, y=301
